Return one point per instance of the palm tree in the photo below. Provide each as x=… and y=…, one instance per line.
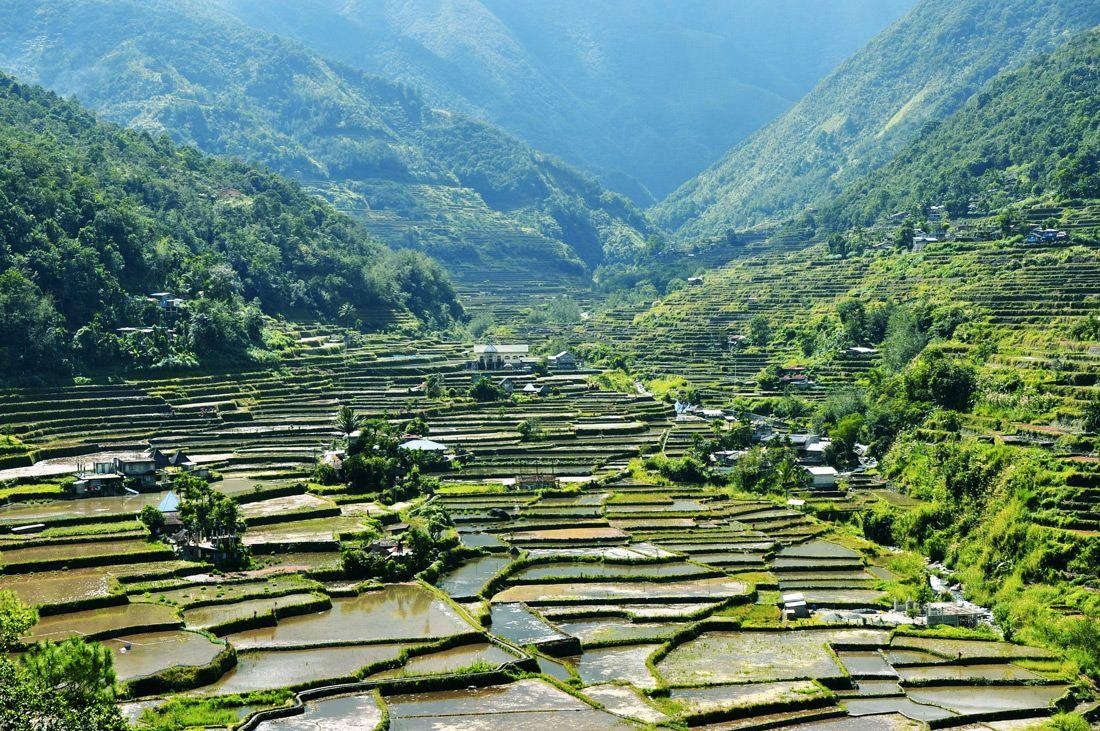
x=347, y=421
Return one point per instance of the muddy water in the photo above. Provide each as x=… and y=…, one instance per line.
x=287, y=668
x=77, y=549
x=734, y=696
x=964, y=700
x=352, y=713
x=475, y=539
x=526, y=705
x=623, y=591
x=592, y=631
x=609, y=570
x=733, y=657
x=515, y=623
x=77, y=508
x=97, y=621
x=608, y=664
x=397, y=612
x=991, y=671
x=222, y=614
x=466, y=581
x=152, y=652
x=449, y=661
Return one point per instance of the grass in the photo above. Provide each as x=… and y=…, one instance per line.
x=32, y=492
x=93, y=529
x=191, y=713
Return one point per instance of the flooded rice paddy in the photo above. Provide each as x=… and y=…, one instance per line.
x=615, y=579
x=397, y=612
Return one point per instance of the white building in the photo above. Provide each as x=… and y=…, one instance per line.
x=493, y=357
x=822, y=477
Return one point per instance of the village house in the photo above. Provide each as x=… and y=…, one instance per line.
x=952, y=614
x=532, y=390
x=101, y=480
x=430, y=454
x=536, y=481
x=507, y=385
x=795, y=606
x=564, y=360
x=1046, y=236
x=695, y=281
x=166, y=302
x=822, y=478
x=493, y=357
x=388, y=548
x=815, y=453
x=725, y=460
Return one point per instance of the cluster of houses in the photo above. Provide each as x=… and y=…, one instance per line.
x=810, y=448
x=128, y=473
x=516, y=357
x=1046, y=236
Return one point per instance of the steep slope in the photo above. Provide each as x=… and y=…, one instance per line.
x=415, y=175
x=94, y=217
x=644, y=94
x=919, y=70
x=1029, y=131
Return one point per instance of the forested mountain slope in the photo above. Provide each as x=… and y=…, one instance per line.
x=645, y=94
x=919, y=70
x=93, y=218
x=1029, y=131
x=415, y=175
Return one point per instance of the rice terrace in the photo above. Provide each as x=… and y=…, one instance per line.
x=329, y=401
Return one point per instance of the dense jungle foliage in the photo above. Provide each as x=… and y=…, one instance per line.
x=93, y=218
x=1031, y=131
x=368, y=144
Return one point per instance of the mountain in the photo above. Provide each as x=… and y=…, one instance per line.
x=94, y=217
x=919, y=70
x=1030, y=131
x=643, y=94
x=414, y=174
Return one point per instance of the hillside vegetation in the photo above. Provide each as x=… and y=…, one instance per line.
x=1029, y=131
x=413, y=174
x=643, y=94
x=920, y=70
x=93, y=218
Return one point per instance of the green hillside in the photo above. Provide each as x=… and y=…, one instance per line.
x=918, y=71
x=1029, y=131
x=93, y=218
x=415, y=175
x=643, y=94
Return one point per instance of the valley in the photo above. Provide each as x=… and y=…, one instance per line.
x=327, y=401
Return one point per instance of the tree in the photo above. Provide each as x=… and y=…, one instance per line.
x=1092, y=414
x=30, y=327
x=208, y=515
x=433, y=386
x=367, y=473
x=788, y=475
x=844, y=437
x=760, y=330
x=941, y=380
x=68, y=686
x=15, y=619
x=347, y=421
x=903, y=340
x=531, y=429
x=152, y=519
x=837, y=245
x=485, y=390
x=418, y=426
